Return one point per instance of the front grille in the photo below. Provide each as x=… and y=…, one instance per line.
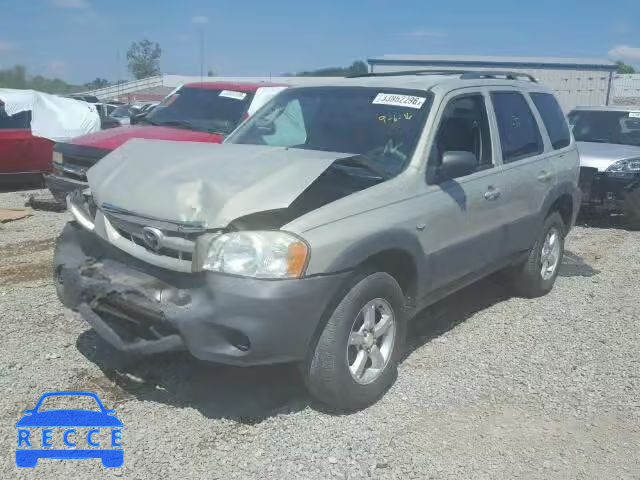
x=133, y=321
x=75, y=166
x=173, y=243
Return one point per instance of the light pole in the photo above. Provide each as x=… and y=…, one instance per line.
x=201, y=31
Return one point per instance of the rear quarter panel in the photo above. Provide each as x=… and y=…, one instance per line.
x=21, y=152
x=41, y=154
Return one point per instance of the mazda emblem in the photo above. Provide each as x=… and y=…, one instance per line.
x=152, y=238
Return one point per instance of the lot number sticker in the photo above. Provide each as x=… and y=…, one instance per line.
x=399, y=100
x=232, y=94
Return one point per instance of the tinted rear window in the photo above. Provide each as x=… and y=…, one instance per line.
x=553, y=119
x=21, y=120
x=519, y=134
x=601, y=126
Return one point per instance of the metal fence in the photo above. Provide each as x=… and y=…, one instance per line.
x=626, y=89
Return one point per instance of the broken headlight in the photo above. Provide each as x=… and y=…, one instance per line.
x=624, y=168
x=82, y=207
x=268, y=254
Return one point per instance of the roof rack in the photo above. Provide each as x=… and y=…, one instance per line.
x=408, y=72
x=464, y=74
x=496, y=74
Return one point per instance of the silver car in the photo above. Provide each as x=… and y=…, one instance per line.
x=608, y=139
x=319, y=228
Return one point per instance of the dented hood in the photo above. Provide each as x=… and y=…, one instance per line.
x=203, y=184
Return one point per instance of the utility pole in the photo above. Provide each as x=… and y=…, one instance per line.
x=202, y=54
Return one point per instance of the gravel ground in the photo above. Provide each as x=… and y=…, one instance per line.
x=491, y=387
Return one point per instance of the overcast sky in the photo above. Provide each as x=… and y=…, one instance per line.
x=79, y=40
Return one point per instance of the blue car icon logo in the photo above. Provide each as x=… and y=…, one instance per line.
x=42, y=432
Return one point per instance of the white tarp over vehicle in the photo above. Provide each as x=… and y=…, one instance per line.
x=56, y=118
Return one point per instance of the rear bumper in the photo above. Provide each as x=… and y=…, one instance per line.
x=142, y=309
x=605, y=192
x=61, y=186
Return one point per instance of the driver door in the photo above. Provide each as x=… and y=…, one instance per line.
x=463, y=225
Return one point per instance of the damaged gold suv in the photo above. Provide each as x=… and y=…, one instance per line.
x=323, y=224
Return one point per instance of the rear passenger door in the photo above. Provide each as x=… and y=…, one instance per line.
x=527, y=169
x=565, y=161
x=465, y=226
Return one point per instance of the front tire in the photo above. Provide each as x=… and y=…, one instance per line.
x=536, y=276
x=354, y=361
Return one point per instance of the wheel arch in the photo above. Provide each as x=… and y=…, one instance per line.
x=562, y=199
x=396, y=252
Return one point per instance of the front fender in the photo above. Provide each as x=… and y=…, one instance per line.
x=396, y=241
x=377, y=243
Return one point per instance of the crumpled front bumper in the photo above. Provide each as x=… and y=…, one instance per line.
x=604, y=191
x=61, y=186
x=139, y=308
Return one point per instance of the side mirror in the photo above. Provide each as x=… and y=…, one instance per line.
x=457, y=163
x=265, y=128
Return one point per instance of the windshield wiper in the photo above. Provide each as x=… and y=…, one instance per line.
x=215, y=131
x=365, y=162
x=174, y=123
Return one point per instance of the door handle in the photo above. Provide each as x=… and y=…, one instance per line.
x=492, y=194
x=544, y=176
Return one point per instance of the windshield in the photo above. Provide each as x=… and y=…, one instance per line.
x=121, y=111
x=606, y=126
x=381, y=124
x=204, y=109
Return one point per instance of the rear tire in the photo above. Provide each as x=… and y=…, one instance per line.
x=354, y=361
x=530, y=279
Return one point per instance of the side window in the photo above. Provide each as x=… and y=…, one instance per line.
x=19, y=120
x=553, y=119
x=288, y=127
x=519, y=134
x=464, y=126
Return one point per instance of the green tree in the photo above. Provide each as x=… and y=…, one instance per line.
x=98, y=83
x=17, y=77
x=357, y=68
x=143, y=58
x=625, y=68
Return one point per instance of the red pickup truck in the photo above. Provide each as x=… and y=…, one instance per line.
x=23, y=157
x=197, y=112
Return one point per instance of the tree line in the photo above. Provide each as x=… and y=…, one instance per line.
x=17, y=77
x=143, y=60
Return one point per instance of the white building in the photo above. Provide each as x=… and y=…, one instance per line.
x=576, y=81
